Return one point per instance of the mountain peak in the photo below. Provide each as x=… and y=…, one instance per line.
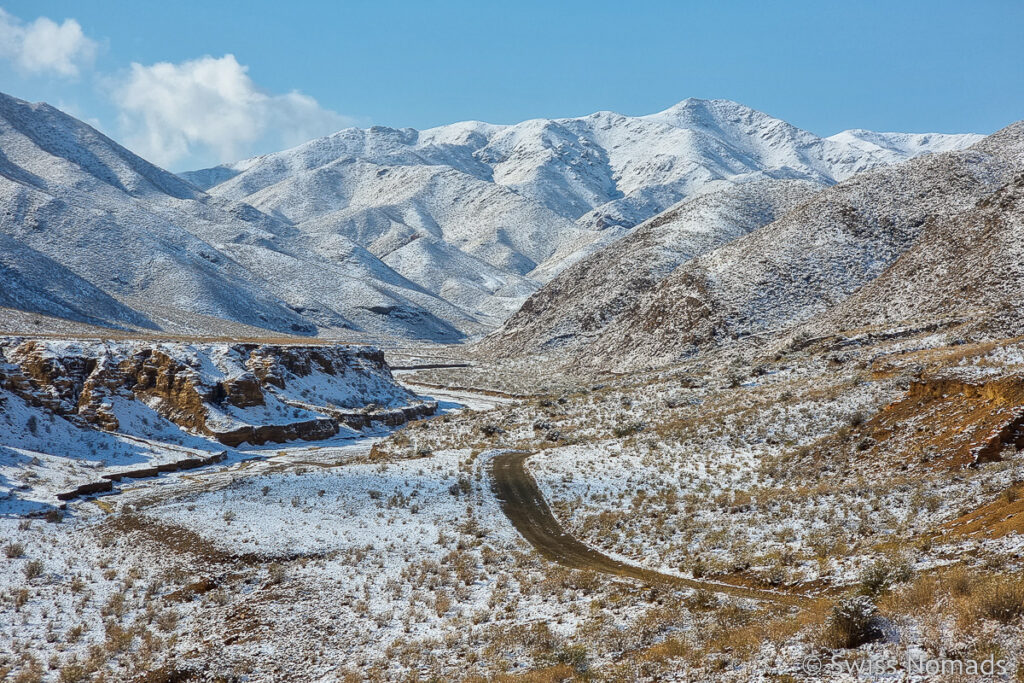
x=708, y=107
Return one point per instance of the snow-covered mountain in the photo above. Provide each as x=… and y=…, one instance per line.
x=434, y=235
x=928, y=240
x=601, y=170
x=93, y=233
x=522, y=202
x=585, y=298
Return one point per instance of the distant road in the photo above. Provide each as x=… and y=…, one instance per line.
x=467, y=398
x=431, y=366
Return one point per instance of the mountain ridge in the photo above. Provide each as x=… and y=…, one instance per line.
x=577, y=183
x=163, y=250
x=437, y=235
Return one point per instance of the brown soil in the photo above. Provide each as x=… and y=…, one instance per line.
x=994, y=520
x=948, y=423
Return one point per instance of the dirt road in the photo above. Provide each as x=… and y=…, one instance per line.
x=523, y=503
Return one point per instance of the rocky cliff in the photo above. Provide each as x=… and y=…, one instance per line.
x=77, y=415
x=235, y=393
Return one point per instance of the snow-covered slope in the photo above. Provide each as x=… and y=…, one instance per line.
x=905, y=145
x=818, y=262
x=600, y=170
x=93, y=233
x=966, y=270
x=580, y=302
x=432, y=235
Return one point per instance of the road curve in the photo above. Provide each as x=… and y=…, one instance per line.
x=523, y=503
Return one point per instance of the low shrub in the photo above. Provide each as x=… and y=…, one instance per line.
x=33, y=569
x=852, y=623
x=275, y=573
x=999, y=598
x=881, y=575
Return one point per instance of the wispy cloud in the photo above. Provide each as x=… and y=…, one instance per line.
x=210, y=110
x=43, y=45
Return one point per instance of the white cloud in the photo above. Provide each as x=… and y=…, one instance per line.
x=44, y=45
x=209, y=110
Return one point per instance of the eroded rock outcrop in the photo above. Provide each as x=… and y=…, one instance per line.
x=236, y=393
x=948, y=420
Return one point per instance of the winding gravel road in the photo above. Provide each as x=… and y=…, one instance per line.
x=523, y=503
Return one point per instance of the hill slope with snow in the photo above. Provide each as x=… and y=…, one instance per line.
x=93, y=233
x=601, y=170
x=523, y=202
x=887, y=246
x=582, y=300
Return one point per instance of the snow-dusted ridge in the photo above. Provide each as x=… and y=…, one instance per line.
x=437, y=234
x=888, y=247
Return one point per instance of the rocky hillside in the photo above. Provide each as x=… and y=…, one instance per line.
x=577, y=305
x=128, y=407
x=965, y=269
x=896, y=227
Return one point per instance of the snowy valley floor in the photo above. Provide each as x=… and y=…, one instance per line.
x=878, y=484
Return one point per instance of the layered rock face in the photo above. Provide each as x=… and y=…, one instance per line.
x=235, y=393
x=949, y=420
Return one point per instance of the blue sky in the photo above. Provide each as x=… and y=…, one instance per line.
x=302, y=69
